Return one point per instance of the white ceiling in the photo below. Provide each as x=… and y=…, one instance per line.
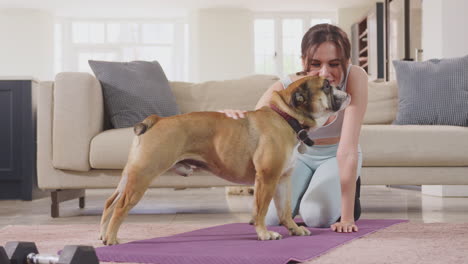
x=174, y=7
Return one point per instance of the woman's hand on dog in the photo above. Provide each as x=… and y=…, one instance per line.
x=232, y=113
x=344, y=227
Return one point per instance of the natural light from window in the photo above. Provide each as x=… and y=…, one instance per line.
x=80, y=41
x=278, y=41
x=264, y=45
x=316, y=21
x=292, y=36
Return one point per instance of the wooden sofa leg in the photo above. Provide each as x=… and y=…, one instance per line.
x=59, y=196
x=82, y=202
x=54, y=207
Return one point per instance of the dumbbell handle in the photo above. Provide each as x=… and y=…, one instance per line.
x=34, y=258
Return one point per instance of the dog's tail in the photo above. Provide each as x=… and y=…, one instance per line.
x=146, y=124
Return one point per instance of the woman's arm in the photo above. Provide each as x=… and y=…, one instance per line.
x=347, y=155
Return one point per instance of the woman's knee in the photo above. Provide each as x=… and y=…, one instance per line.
x=272, y=221
x=319, y=220
x=271, y=217
x=319, y=214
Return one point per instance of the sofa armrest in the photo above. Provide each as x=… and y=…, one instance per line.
x=78, y=116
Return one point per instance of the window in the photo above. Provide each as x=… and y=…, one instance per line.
x=315, y=21
x=58, y=48
x=122, y=32
x=88, y=32
x=83, y=40
x=158, y=33
x=292, y=35
x=264, y=45
x=278, y=40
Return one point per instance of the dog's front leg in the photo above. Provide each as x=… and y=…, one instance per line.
x=264, y=189
x=282, y=200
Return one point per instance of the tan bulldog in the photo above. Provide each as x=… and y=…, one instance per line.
x=255, y=150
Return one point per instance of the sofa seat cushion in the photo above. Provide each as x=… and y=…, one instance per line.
x=382, y=145
x=414, y=145
x=109, y=150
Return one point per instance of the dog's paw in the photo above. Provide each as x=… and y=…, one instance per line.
x=299, y=231
x=269, y=235
x=110, y=241
x=182, y=169
x=240, y=190
x=102, y=235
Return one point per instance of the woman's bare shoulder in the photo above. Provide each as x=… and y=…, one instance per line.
x=357, y=80
x=276, y=86
x=357, y=72
x=295, y=77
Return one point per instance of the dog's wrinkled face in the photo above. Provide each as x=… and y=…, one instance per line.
x=315, y=98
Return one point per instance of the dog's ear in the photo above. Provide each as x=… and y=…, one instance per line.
x=300, y=96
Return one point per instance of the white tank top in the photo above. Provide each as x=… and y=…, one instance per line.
x=334, y=128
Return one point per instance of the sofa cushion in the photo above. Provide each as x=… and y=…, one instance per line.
x=382, y=145
x=382, y=103
x=414, y=145
x=433, y=92
x=109, y=149
x=134, y=90
x=241, y=94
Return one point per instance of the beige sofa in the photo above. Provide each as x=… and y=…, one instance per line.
x=75, y=152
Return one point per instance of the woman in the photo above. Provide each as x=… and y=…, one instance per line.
x=325, y=177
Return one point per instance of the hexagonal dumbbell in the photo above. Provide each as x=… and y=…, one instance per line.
x=3, y=256
x=27, y=253
x=18, y=251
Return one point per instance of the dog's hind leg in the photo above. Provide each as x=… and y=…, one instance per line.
x=107, y=212
x=282, y=201
x=131, y=194
x=109, y=206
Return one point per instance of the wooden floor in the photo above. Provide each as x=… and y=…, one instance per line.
x=212, y=205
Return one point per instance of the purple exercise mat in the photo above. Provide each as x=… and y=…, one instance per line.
x=235, y=244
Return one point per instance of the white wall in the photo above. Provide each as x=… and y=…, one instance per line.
x=348, y=16
x=221, y=44
x=26, y=48
x=432, y=29
x=454, y=31
x=444, y=28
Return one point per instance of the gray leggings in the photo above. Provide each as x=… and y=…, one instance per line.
x=315, y=187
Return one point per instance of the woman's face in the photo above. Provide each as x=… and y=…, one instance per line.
x=325, y=63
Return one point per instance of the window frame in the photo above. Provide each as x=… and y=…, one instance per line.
x=278, y=31
x=69, y=54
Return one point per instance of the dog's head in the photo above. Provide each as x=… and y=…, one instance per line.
x=312, y=100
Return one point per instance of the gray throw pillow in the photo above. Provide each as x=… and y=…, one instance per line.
x=433, y=92
x=134, y=90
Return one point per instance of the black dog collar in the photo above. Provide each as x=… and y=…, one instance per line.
x=300, y=130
